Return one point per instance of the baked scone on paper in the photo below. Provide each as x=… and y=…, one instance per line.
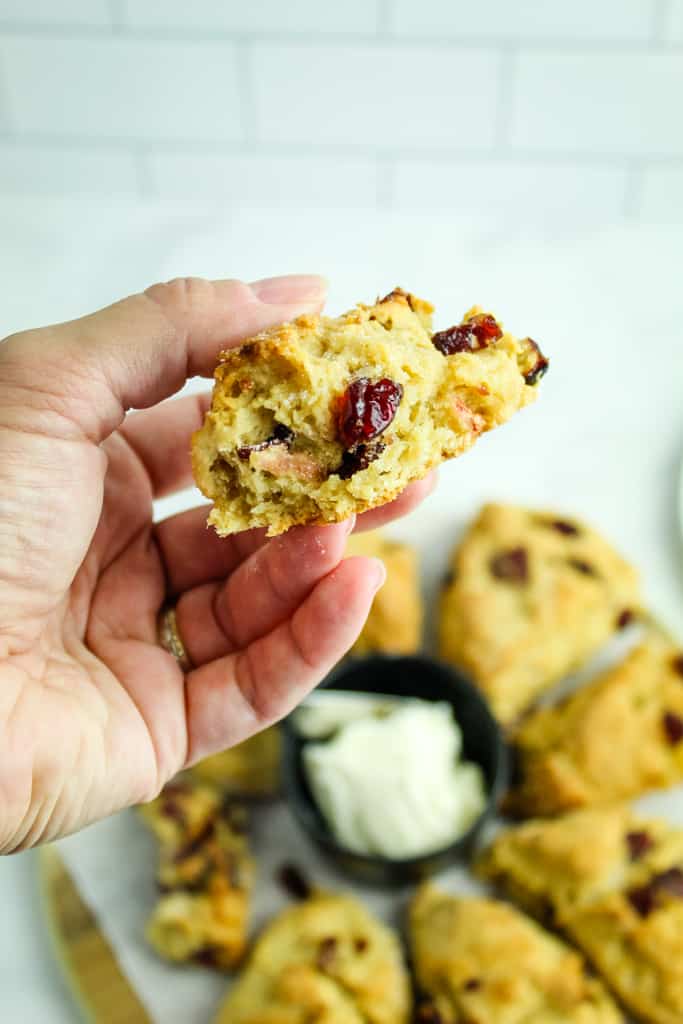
x=205, y=875
x=616, y=737
x=320, y=418
x=326, y=960
x=550, y=867
x=479, y=960
x=531, y=595
x=613, y=882
x=394, y=625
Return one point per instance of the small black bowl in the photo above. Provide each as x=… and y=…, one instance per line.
x=482, y=742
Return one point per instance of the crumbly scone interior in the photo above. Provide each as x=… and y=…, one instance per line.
x=269, y=452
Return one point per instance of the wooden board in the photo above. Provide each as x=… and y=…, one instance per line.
x=99, y=986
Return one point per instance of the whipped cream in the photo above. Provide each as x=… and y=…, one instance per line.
x=390, y=780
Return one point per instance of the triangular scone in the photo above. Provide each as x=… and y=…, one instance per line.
x=394, y=625
x=326, y=960
x=530, y=596
x=613, y=883
x=551, y=866
x=205, y=875
x=616, y=737
x=317, y=419
x=480, y=960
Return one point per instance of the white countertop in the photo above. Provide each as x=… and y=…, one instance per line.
x=604, y=440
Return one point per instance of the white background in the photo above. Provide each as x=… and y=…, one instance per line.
x=526, y=156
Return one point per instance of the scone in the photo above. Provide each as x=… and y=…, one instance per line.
x=205, y=876
x=614, y=885
x=317, y=419
x=394, y=625
x=480, y=961
x=618, y=736
x=530, y=596
x=552, y=866
x=325, y=960
x=252, y=768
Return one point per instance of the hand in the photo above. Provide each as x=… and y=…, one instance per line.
x=94, y=714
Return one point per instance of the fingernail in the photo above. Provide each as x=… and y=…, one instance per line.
x=290, y=290
x=381, y=573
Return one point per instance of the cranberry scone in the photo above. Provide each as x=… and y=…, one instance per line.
x=321, y=418
x=479, y=960
x=618, y=736
x=530, y=596
x=613, y=883
x=394, y=625
x=205, y=875
x=326, y=960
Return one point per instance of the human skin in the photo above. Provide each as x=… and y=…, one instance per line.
x=94, y=714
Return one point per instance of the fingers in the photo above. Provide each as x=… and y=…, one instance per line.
x=141, y=350
x=264, y=591
x=233, y=697
x=161, y=439
x=409, y=499
x=193, y=553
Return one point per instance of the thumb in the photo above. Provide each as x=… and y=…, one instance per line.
x=140, y=350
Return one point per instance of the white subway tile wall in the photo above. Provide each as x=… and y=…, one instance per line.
x=535, y=110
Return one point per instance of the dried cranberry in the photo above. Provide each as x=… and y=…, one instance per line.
x=359, y=458
x=360, y=944
x=671, y=882
x=472, y=985
x=568, y=529
x=673, y=727
x=583, y=567
x=638, y=844
x=192, y=846
x=207, y=956
x=366, y=409
x=539, y=369
x=625, y=618
x=427, y=1013
x=677, y=664
x=171, y=808
x=294, y=882
x=512, y=565
x=281, y=435
x=327, y=951
x=469, y=336
x=642, y=900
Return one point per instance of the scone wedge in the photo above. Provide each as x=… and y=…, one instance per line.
x=530, y=596
x=616, y=737
x=326, y=960
x=394, y=625
x=321, y=418
x=480, y=961
x=613, y=883
x=205, y=875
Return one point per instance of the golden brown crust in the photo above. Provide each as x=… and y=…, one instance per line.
x=325, y=960
x=613, y=882
x=394, y=625
x=205, y=875
x=281, y=393
x=251, y=768
x=531, y=595
x=480, y=960
x=618, y=736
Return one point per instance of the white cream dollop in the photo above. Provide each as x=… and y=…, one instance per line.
x=394, y=784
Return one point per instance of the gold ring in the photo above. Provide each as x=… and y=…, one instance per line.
x=169, y=638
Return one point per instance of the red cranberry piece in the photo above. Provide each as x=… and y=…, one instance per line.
x=281, y=435
x=366, y=409
x=359, y=458
x=294, y=882
x=360, y=944
x=206, y=956
x=539, y=369
x=469, y=336
x=327, y=951
x=677, y=664
x=512, y=565
x=642, y=900
x=568, y=529
x=428, y=1014
x=673, y=727
x=625, y=618
x=472, y=985
x=671, y=882
x=638, y=844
